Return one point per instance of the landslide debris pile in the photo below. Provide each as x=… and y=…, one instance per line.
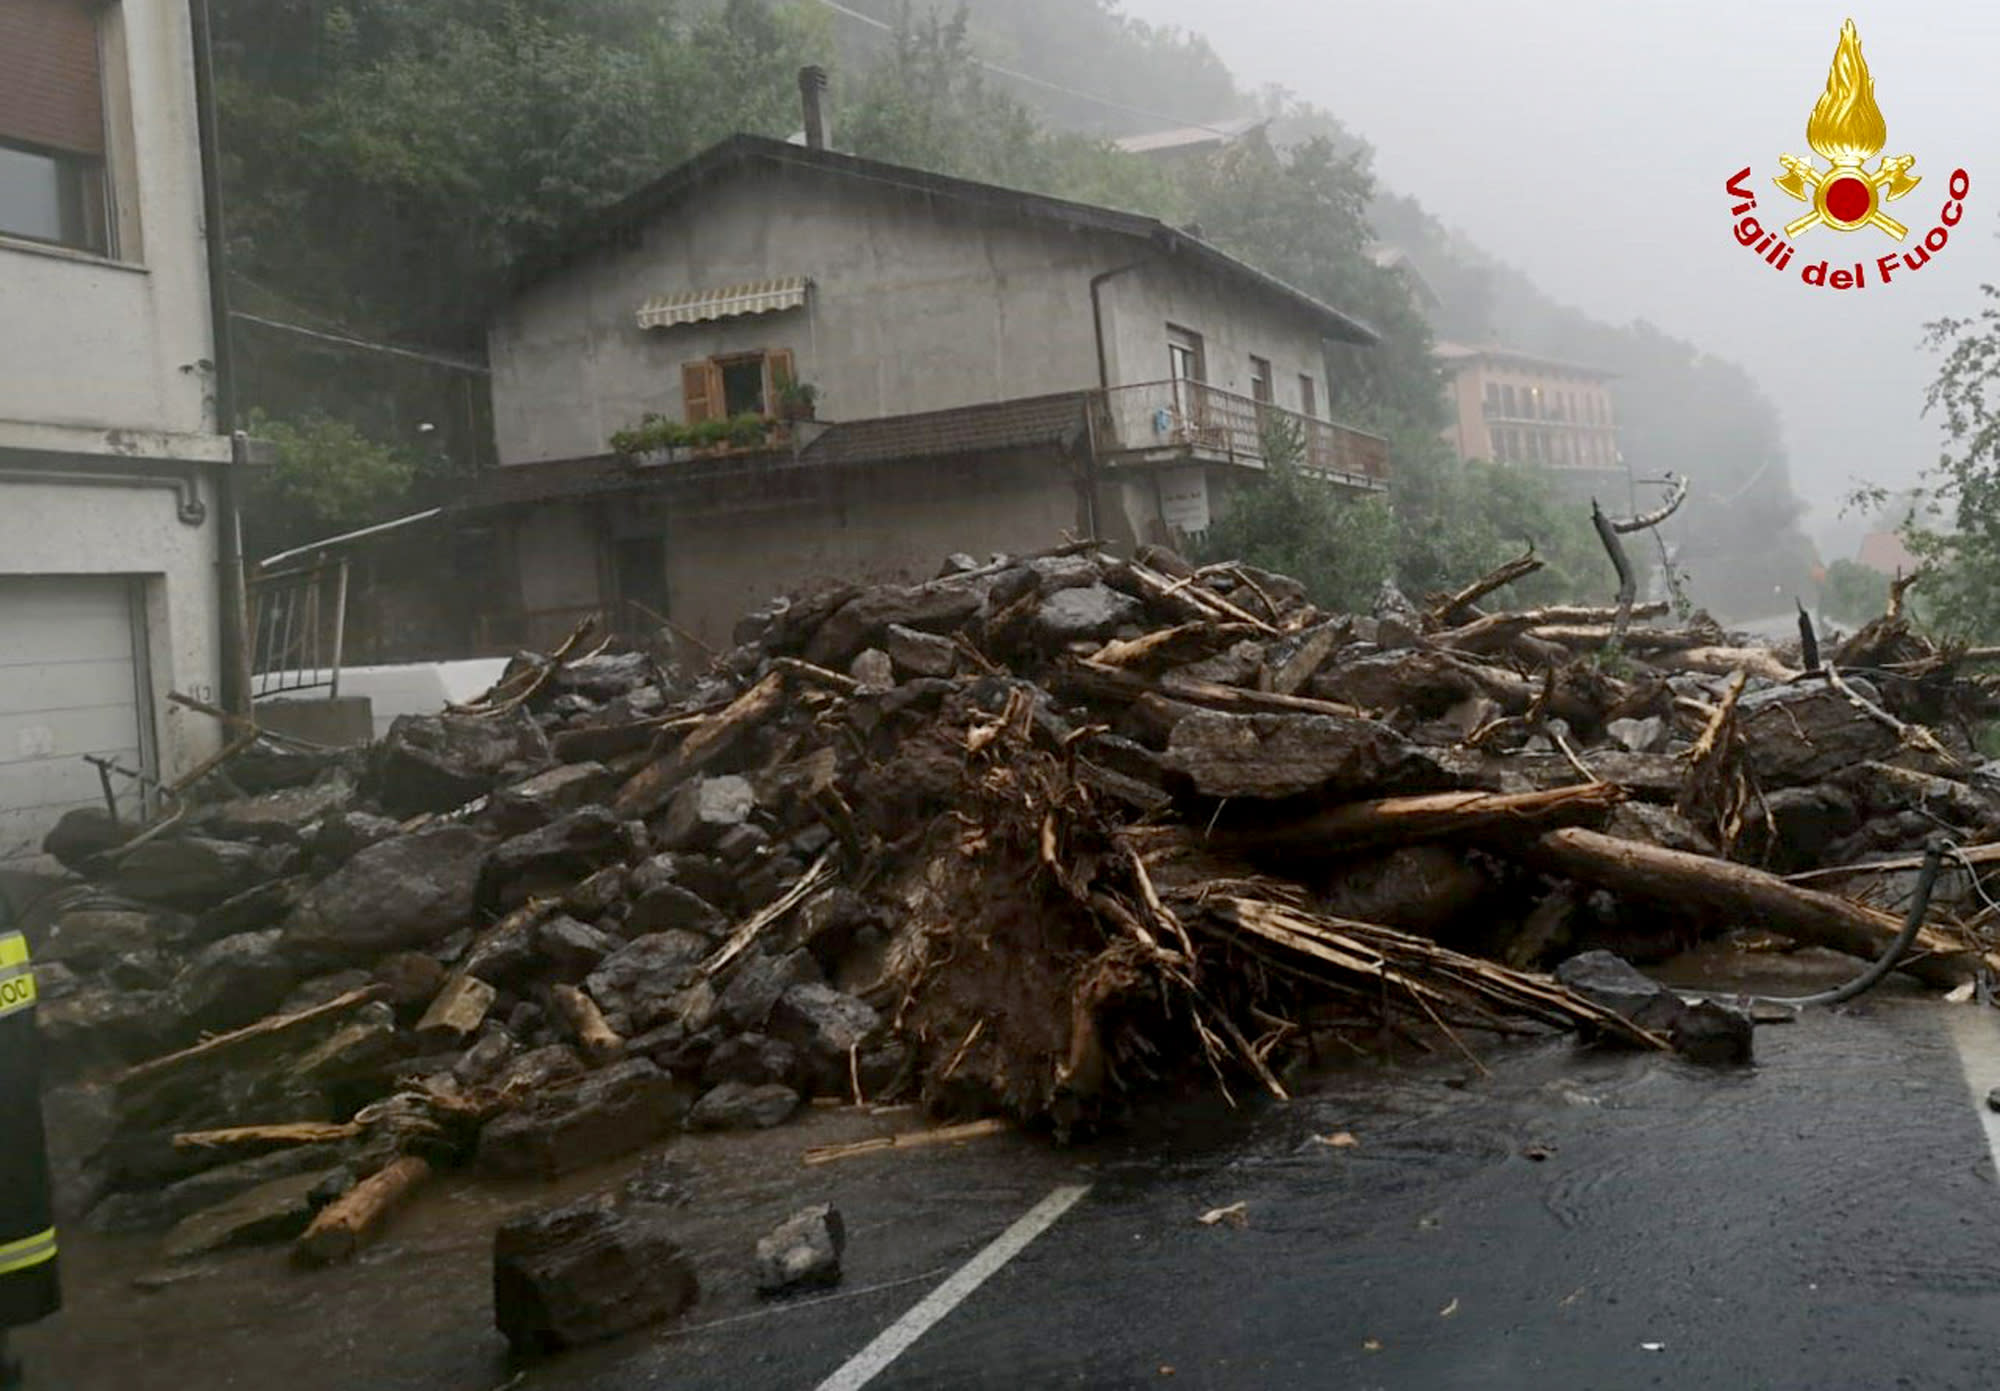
x=1038, y=837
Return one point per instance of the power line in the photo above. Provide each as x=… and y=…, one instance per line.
x=459, y=364
x=1044, y=83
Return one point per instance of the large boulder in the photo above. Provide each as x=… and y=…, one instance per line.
x=758, y=983
x=640, y=979
x=438, y=763
x=825, y=1026
x=740, y=1106
x=89, y=939
x=546, y=862
x=234, y=982
x=191, y=872
x=1090, y=612
x=623, y=1108
x=262, y=905
x=704, y=810
x=567, y=1276
x=1282, y=755
x=281, y=817
x=1610, y=981
x=398, y=895
x=938, y=607
x=273, y=1211
x=547, y=795
x=82, y=834
x=342, y=835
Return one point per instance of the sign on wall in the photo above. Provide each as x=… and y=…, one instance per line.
x=1184, y=499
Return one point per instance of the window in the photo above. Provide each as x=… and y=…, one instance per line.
x=52, y=124
x=1186, y=362
x=1308, y=396
x=719, y=388
x=1509, y=407
x=1260, y=380
x=1493, y=398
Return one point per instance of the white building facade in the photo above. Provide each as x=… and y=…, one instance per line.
x=110, y=523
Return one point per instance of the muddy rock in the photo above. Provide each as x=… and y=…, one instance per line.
x=1708, y=1031
x=253, y=910
x=739, y=1106
x=937, y=607
x=610, y=1113
x=1615, y=984
x=824, y=1025
x=873, y=669
x=541, y=1067
x=572, y=950
x=439, y=763
x=270, y=1212
x=1281, y=755
x=82, y=834
x=342, y=835
x=234, y=982
x=482, y=1062
x=803, y=1251
x=547, y=861
x=640, y=979
x=592, y=897
x=155, y=1209
x=920, y=654
x=703, y=810
x=98, y=1026
x=409, y=978
x=192, y=872
x=320, y=989
x=404, y=893
x=759, y=981
x=568, y=787
x=278, y=818
x=1639, y=736
x=605, y=676
x=753, y=1060
x=90, y=939
x=672, y=908
x=1088, y=612
x=568, y=1276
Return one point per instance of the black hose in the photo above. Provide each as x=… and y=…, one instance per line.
x=1890, y=959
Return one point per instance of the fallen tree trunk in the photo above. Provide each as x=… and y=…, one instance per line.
x=1408, y=820
x=346, y=1224
x=249, y=1141
x=1726, y=661
x=1705, y=887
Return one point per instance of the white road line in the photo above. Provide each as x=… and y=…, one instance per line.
x=895, y=1340
x=1976, y=1031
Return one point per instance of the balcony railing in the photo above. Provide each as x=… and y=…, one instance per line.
x=1204, y=422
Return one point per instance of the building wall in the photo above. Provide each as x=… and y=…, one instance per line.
x=110, y=354
x=1559, y=419
x=107, y=358
x=918, y=304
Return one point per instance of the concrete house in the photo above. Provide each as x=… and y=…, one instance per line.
x=992, y=368
x=109, y=523
x=1514, y=407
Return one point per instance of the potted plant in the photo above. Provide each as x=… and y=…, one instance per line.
x=797, y=400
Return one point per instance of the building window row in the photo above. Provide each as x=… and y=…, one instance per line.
x=1506, y=401
x=1554, y=448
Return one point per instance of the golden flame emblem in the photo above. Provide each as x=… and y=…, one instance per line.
x=1847, y=130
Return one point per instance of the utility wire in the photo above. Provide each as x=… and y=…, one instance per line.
x=457, y=364
x=1044, y=83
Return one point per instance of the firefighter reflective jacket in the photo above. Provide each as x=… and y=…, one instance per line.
x=28, y=1286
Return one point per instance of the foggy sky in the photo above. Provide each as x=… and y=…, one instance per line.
x=1587, y=142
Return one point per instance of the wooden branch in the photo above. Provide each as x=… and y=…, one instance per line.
x=746, y=933
x=267, y=1030
x=1717, y=889
x=1912, y=735
x=1159, y=586
x=1409, y=820
x=1726, y=661
x=1576, y=635
x=599, y=1042
x=349, y=1222
x=1111, y=683
x=1971, y=854
x=649, y=788
x=1628, y=584
x=1452, y=607
x=1808, y=638
x=1898, y=588
x=1647, y=520
x=252, y=1140
x=1187, y=642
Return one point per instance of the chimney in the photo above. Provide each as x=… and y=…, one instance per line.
x=812, y=91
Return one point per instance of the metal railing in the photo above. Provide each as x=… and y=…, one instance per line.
x=1208, y=422
x=298, y=622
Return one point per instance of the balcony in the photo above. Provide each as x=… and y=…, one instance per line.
x=1182, y=421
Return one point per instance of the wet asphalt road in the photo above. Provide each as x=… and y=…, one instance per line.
x=1827, y=1219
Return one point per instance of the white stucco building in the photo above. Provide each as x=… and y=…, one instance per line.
x=109, y=451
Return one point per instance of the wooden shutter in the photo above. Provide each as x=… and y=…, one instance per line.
x=701, y=392
x=778, y=370
x=49, y=81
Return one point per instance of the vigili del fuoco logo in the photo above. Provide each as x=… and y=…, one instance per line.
x=1847, y=130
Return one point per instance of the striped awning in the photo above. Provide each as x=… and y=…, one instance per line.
x=728, y=302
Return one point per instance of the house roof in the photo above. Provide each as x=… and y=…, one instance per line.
x=1466, y=352
x=741, y=152
x=1028, y=423
x=1154, y=142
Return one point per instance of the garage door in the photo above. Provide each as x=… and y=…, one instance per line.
x=70, y=664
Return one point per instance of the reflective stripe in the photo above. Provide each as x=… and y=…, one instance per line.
x=16, y=994
x=28, y=1251
x=13, y=949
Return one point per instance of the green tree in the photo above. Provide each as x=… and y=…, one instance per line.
x=1852, y=593
x=1960, y=591
x=326, y=475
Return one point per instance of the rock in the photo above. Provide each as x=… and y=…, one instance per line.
x=267, y=766
x=483, y=1061
x=823, y=1024
x=605, y=676
x=1237, y=665
x=704, y=809
x=1804, y=822
x=277, y=818
x=156, y=1209
x=1391, y=602
x=342, y=835
x=920, y=654
x=1794, y=735
x=803, y=1251
x=564, y=1277
x=90, y=939
x=536, y=802
x=505, y=956
x=82, y=834
x=55, y=981
x=739, y=843
x=321, y=989
x=1090, y=612
x=98, y=1026
x=361, y=1046
x=547, y=861
x=939, y=606
x=439, y=763
x=1608, y=980
x=758, y=983
x=191, y=872
x=873, y=669
x=234, y=982
x=410, y=978
x=640, y=979
x=738, y=1106
x=458, y=1011
x=591, y=898
x=404, y=893
x=256, y=908
x=274, y=1211
x=1708, y=1031
x=540, y=1068
x=572, y=950
x=699, y=874
x=753, y=1060
x=625, y=1107
x=1283, y=755
x=661, y=1181
x=1639, y=736
x=671, y=908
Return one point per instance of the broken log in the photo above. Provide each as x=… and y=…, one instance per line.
x=648, y=789
x=1451, y=608
x=1726, y=661
x=269, y=1031
x=1109, y=683
x=1408, y=820
x=1719, y=890
x=1171, y=647
x=349, y=1222
x=250, y=1141
x=1153, y=585
x=599, y=1042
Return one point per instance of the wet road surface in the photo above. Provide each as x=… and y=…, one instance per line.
x=1827, y=1219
